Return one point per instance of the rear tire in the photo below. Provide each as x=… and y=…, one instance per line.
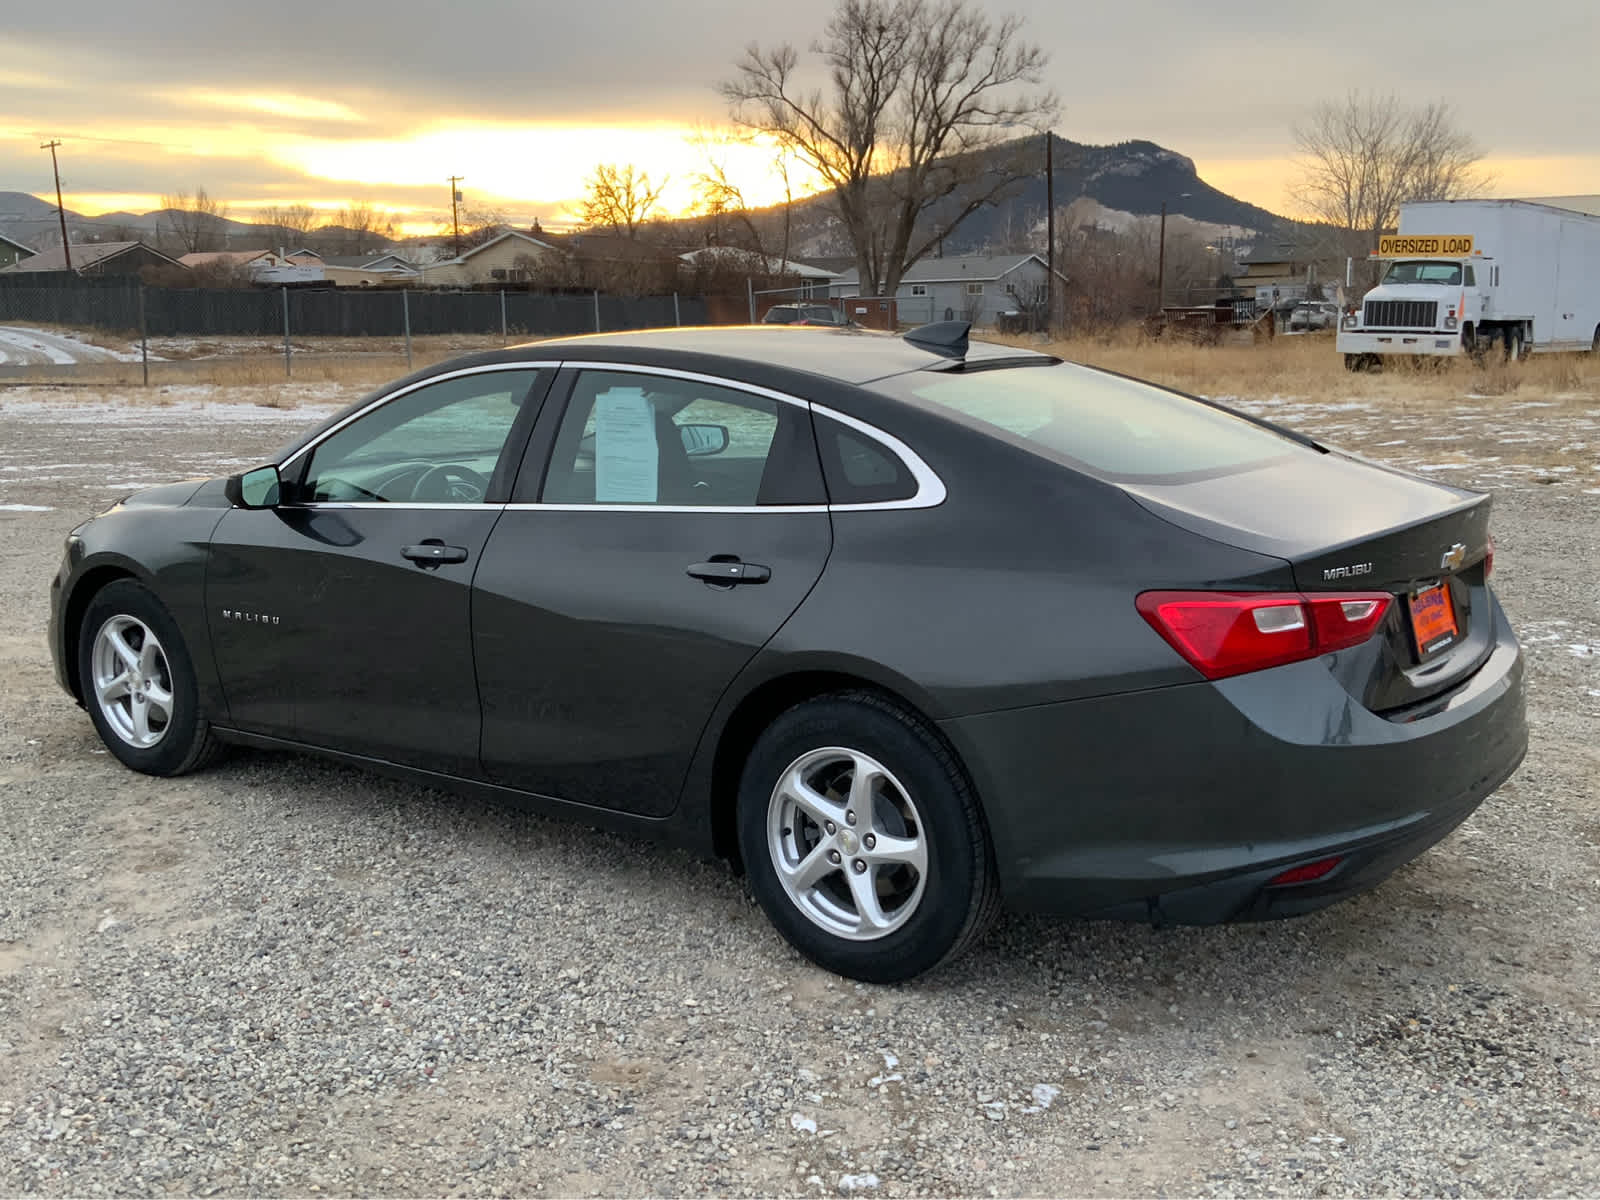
x=138, y=683
x=863, y=839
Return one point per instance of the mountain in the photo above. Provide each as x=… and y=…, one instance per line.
x=1127, y=180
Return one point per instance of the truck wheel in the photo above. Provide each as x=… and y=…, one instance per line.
x=1352, y=362
x=1516, y=348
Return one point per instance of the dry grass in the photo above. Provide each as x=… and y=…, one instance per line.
x=1309, y=368
x=1304, y=368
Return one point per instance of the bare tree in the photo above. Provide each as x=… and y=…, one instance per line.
x=919, y=93
x=194, y=220
x=734, y=220
x=620, y=197
x=289, y=223
x=364, y=228
x=480, y=225
x=1362, y=157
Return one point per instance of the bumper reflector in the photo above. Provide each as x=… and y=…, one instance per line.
x=1305, y=872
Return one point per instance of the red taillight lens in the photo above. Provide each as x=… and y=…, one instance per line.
x=1231, y=633
x=1304, y=873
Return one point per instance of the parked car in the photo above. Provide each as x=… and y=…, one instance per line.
x=804, y=314
x=905, y=626
x=1308, y=315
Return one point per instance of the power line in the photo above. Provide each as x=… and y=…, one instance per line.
x=66, y=245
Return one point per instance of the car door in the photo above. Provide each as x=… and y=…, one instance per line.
x=340, y=617
x=622, y=591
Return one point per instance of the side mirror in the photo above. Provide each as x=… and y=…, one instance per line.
x=259, y=488
x=700, y=441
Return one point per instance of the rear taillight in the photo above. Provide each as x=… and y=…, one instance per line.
x=1305, y=872
x=1231, y=633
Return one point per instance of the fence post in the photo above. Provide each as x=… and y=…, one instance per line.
x=750, y=294
x=597, y=310
x=405, y=310
x=504, y=336
x=144, y=339
x=677, y=317
x=286, y=373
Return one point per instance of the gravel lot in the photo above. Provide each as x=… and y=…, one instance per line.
x=282, y=976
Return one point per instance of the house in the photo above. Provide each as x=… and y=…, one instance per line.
x=13, y=251
x=976, y=288
x=244, y=260
x=512, y=257
x=731, y=261
x=1275, y=272
x=97, y=258
x=368, y=270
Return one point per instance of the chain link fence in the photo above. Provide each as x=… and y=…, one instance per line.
x=168, y=323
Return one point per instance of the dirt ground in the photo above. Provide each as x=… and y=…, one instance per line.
x=285, y=976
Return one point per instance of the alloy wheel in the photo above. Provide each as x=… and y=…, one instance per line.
x=132, y=681
x=847, y=843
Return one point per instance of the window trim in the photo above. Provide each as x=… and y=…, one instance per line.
x=406, y=391
x=930, y=491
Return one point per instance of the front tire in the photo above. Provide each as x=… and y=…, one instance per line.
x=138, y=683
x=863, y=839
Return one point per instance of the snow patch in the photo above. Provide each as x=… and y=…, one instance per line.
x=857, y=1183
x=1044, y=1095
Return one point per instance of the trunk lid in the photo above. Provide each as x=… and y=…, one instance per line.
x=1346, y=524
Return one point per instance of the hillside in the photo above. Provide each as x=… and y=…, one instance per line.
x=1129, y=179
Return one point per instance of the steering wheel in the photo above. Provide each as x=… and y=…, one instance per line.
x=450, y=484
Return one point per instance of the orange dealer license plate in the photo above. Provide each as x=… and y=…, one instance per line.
x=1433, y=619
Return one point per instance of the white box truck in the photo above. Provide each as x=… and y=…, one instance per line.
x=1509, y=277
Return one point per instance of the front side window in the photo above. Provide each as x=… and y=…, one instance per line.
x=634, y=438
x=1111, y=427
x=438, y=444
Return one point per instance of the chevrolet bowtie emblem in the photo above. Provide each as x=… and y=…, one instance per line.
x=1453, y=557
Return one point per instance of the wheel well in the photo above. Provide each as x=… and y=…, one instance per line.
x=77, y=604
x=758, y=710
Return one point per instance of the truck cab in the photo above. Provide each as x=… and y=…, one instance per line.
x=1433, y=306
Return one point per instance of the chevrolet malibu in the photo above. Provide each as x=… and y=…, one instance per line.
x=908, y=628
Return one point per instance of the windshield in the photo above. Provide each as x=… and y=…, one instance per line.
x=1118, y=429
x=1446, y=273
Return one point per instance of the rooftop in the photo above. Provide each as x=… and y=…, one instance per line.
x=848, y=355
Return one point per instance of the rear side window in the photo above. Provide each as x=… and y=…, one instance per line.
x=860, y=470
x=1115, y=428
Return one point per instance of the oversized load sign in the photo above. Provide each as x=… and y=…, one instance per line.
x=1410, y=245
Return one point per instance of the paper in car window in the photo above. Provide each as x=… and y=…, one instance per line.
x=625, y=461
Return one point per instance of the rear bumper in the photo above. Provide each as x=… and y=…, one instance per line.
x=1180, y=804
x=1442, y=344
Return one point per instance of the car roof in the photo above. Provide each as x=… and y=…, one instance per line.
x=849, y=355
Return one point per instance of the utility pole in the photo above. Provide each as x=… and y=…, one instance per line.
x=1049, y=234
x=455, y=215
x=66, y=247
x=1161, y=262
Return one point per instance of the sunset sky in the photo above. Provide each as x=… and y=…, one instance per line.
x=326, y=103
